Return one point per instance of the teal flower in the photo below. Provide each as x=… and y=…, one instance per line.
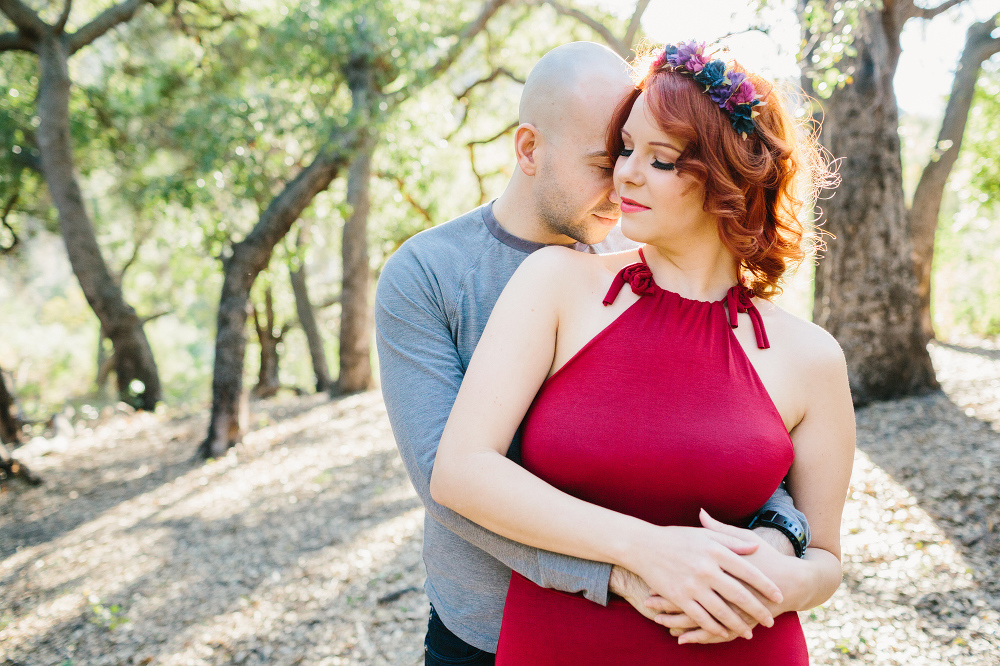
x=742, y=118
x=712, y=74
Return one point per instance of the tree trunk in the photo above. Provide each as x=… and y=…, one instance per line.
x=927, y=197
x=268, y=382
x=10, y=433
x=249, y=257
x=355, y=302
x=10, y=425
x=866, y=289
x=105, y=363
x=307, y=318
x=138, y=379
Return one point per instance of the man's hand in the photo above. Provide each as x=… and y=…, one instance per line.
x=634, y=590
x=772, y=561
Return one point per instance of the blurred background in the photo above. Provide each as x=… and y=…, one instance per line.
x=196, y=200
x=189, y=121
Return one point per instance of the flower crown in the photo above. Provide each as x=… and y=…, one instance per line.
x=729, y=88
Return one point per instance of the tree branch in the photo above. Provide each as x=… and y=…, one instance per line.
x=980, y=45
x=465, y=35
x=15, y=41
x=732, y=33
x=634, y=23
x=401, y=184
x=135, y=253
x=621, y=48
x=156, y=315
x=25, y=18
x=927, y=13
x=106, y=20
x=61, y=23
x=480, y=142
x=499, y=71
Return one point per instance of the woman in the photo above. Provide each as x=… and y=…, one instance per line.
x=687, y=394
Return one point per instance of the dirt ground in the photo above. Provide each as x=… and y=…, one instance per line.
x=303, y=547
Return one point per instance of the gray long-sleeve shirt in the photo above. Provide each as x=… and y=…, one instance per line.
x=432, y=303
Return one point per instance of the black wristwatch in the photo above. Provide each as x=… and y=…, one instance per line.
x=790, y=529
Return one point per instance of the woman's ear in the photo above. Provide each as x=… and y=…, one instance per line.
x=527, y=142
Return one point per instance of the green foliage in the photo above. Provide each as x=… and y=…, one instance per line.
x=828, y=33
x=967, y=245
x=188, y=121
x=108, y=617
x=980, y=148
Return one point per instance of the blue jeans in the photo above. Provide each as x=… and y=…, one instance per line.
x=443, y=648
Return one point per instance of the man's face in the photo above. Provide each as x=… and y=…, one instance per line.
x=574, y=179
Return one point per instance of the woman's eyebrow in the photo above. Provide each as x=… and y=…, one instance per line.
x=656, y=143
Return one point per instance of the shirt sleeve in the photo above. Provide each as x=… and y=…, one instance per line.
x=781, y=502
x=421, y=371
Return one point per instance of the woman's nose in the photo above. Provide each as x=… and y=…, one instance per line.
x=625, y=171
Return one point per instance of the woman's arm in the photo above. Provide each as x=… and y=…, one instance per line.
x=824, y=454
x=699, y=570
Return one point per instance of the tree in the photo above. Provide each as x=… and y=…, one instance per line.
x=135, y=367
x=269, y=336
x=926, y=207
x=368, y=66
x=306, y=313
x=867, y=291
x=10, y=433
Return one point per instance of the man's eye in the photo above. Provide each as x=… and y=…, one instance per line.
x=665, y=166
x=625, y=152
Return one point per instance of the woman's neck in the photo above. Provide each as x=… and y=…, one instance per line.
x=700, y=272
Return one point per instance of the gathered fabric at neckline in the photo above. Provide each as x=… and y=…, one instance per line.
x=738, y=299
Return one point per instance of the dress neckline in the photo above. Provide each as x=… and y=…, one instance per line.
x=737, y=300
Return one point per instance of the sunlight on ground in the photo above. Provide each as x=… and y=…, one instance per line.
x=303, y=546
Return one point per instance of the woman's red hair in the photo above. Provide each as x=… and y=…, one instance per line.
x=757, y=186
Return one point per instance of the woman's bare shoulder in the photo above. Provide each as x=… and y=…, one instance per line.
x=811, y=345
x=560, y=268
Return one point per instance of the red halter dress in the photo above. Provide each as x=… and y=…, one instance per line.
x=659, y=415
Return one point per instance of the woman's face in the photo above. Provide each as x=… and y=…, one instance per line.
x=659, y=205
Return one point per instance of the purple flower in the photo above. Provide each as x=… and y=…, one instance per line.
x=670, y=53
x=743, y=93
x=720, y=94
x=712, y=74
x=686, y=52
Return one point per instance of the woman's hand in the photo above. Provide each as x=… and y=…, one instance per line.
x=772, y=563
x=701, y=572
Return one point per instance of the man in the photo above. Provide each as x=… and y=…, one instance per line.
x=433, y=300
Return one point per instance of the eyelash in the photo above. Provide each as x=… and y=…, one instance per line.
x=657, y=164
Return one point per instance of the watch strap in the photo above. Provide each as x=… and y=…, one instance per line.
x=789, y=528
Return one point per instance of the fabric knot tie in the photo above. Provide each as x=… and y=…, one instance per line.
x=739, y=299
x=638, y=276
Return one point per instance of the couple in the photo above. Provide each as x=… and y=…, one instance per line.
x=651, y=411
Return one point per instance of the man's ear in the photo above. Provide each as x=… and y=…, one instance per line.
x=527, y=142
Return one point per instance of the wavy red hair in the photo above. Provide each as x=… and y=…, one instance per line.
x=757, y=187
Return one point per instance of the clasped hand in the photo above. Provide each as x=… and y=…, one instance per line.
x=704, y=588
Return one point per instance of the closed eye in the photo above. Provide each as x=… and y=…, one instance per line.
x=665, y=166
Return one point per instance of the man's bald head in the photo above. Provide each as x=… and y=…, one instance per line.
x=561, y=191
x=567, y=81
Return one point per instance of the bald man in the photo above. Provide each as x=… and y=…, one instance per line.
x=432, y=302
